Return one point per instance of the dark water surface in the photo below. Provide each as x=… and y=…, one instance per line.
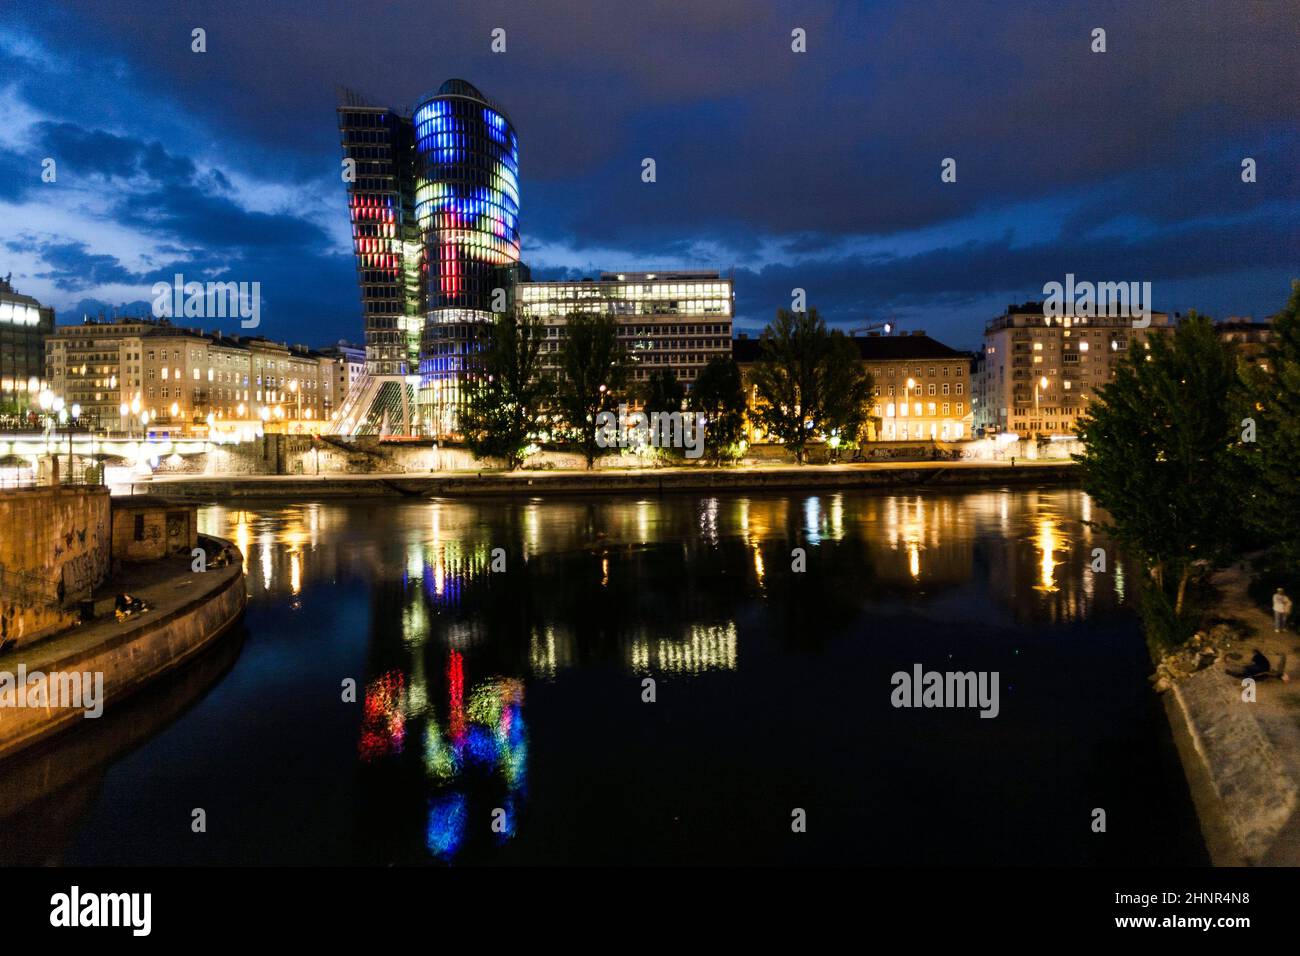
x=499, y=717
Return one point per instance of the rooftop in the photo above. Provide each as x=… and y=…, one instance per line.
x=872, y=348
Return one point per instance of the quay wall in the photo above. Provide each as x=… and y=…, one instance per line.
x=129, y=654
x=54, y=548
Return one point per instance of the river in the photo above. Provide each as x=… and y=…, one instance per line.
x=690, y=678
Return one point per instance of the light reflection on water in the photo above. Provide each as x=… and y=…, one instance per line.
x=493, y=657
x=450, y=693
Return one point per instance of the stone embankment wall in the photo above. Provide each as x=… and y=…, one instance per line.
x=276, y=454
x=613, y=482
x=54, y=548
x=128, y=654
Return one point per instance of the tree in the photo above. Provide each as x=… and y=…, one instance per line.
x=847, y=386
x=593, y=373
x=1159, y=457
x=508, y=392
x=1273, y=459
x=662, y=392
x=811, y=383
x=719, y=395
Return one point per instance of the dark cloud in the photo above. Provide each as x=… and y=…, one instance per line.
x=756, y=147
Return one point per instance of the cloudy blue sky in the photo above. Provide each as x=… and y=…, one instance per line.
x=819, y=170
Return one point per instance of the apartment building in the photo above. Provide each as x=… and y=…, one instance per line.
x=1038, y=372
x=147, y=376
x=922, y=389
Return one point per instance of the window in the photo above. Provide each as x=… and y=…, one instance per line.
x=139, y=527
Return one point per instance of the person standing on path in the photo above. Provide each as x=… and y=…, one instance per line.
x=1281, y=610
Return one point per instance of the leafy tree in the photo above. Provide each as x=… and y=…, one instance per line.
x=847, y=386
x=662, y=392
x=1273, y=458
x=1159, y=458
x=810, y=382
x=508, y=392
x=719, y=395
x=593, y=374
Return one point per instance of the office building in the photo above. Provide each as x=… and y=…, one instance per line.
x=667, y=320
x=24, y=324
x=435, y=224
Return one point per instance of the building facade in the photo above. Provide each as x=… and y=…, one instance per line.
x=24, y=324
x=1039, y=371
x=435, y=224
x=1250, y=339
x=146, y=376
x=349, y=363
x=667, y=320
x=921, y=387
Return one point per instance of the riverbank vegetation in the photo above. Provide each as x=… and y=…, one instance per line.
x=809, y=387
x=1193, y=449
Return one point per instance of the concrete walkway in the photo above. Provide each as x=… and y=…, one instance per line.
x=1277, y=708
x=1244, y=769
x=186, y=610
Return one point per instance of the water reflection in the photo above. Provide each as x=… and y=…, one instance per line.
x=473, y=604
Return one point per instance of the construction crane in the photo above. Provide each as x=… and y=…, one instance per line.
x=886, y=327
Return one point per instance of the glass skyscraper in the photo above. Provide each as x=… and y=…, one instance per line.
x=435, y=226
x=467, y=209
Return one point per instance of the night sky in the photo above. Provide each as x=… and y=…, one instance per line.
x=819, y=170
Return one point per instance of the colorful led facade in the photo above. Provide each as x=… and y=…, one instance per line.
x=385, y=239
x=467, y=210
x=435, y=227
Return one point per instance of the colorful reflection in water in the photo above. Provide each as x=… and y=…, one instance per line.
x=482, y=746
x=383, y=721
x=596, y=591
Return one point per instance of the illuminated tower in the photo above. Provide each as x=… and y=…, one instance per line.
x=378, y=167
x=434, y=206
x=467, y=212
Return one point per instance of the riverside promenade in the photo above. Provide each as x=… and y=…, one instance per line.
x=746, y=478
x=1241, y=756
